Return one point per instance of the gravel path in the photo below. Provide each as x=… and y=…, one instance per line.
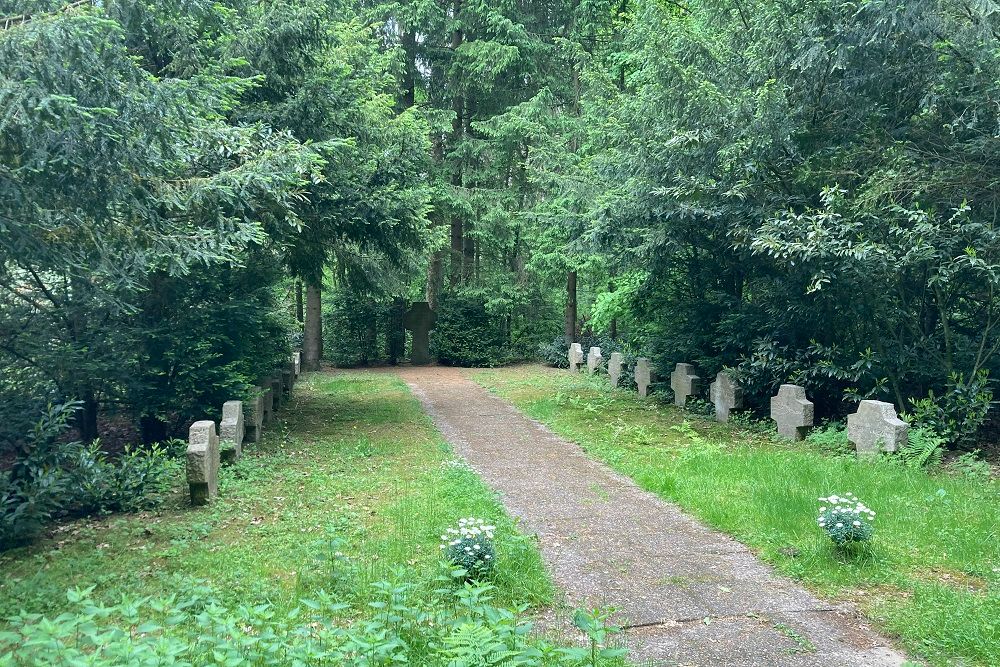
x=689, y=596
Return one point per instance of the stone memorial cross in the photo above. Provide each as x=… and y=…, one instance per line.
x=615, y=367
x=254, y=423
x=684, y=383
x=575, y=355
x=643, y=376
x=203, y=462
x=792, y=411
x=231, y=431
x=594, y=360
x=876, y=426
x=420, y=319
x=726, y=394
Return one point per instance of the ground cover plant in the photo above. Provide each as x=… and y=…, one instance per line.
x=931, y=572
x=324, y=546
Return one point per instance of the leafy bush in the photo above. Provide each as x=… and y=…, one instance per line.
x=554, y=354
x=355, y=328
x=846, y=519
x=53, y=478
x=470, y=547
x=460, y=626
x=957, y=413
x=467, y=334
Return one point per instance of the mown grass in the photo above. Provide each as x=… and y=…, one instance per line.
x=932, y=575
x=353, y=465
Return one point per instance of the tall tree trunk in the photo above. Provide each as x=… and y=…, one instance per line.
x=456, y=269
x=312, y=340
x=469, y=257
x=569, y=331
x=457, y=250
x=409, y=44
x=87, y=417
x=299, y=317
x=435, y=276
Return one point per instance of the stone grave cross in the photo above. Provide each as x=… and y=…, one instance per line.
x=792, y=411
x=420, y=320
x=575, y=357
x=684, y=383
x=726, y=394
x=643, y=376
x=594, y=360
x=203, y=462
x=615, y=367
x=874, y=426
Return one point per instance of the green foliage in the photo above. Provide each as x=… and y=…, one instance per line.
x=461, y=627
x=958, y=412
x=52, y=478
x=354, y=328
x=924, y=448
x=467, y=333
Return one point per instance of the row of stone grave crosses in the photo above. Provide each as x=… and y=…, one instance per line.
x=873, y=428
x=242, y=423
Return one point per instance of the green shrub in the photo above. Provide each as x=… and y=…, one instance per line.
x=958, y=412
x=467, y=334
x=53, y=478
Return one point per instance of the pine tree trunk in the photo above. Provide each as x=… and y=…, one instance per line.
x=299, y=317
x=569, y=332
x=312, y=341
x=435, y=276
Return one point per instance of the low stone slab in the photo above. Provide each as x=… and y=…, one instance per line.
x=231, y=431
x=615, y=367
x=876, y=427
x=575, y=355
x=726, y=394
x=267, y=399
x=254, y=423
x=643, y=376
x=203, y=462
x=594, y=360
x=685, y=383
x=277, y=392
x=792, y=411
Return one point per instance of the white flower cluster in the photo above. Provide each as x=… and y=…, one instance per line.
x=843, y=510
x=471, y=532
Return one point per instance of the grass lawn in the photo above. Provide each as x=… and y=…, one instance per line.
x=351, y=487
x=932, y=575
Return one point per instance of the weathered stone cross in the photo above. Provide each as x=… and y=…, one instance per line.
x=643, y=376
x=874, y=426
x=726, y=394
x=575, y=357
x=594, y=360
x=203, y=462
x=684, y=383
x=420, y=319
x=792, y=411
x=615, y=367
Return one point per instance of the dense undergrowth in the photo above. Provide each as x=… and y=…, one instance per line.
x=931, y=574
